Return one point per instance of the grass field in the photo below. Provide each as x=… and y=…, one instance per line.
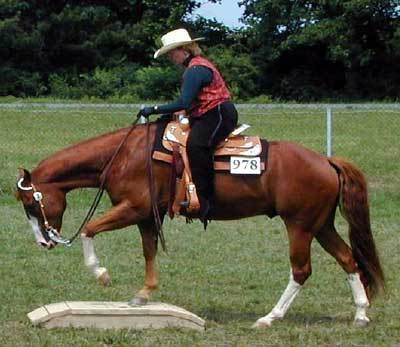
x=230, y=275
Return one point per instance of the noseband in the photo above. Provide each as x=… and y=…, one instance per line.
x=52, y=233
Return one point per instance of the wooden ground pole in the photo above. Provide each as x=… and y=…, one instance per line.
x=114, y=315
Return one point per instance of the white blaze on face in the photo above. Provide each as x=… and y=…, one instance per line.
x=36, y=230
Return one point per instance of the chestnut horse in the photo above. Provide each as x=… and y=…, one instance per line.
x=301, y=186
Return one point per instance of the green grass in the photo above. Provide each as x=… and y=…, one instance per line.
x=230, y=275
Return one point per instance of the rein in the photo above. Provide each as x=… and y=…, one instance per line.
x=153, y=198
x=53, y=233
x=100, y=192
x=96, y=201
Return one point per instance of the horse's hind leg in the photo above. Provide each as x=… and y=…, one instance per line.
x=331, y=241
x=300, y=243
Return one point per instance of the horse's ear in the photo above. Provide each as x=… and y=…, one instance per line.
x=22, y=174
x=24, y=181
x=25, y=174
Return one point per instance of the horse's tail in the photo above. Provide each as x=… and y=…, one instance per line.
x=354, y=207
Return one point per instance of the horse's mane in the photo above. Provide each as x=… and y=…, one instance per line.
x=85, y=157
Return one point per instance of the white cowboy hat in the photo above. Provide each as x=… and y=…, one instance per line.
x=174, y=39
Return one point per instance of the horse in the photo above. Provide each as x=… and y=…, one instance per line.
x=301, y=186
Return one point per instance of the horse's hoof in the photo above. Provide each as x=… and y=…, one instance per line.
x=261, y=324
x=104, y=278
x=138, y=301
x=361, y=322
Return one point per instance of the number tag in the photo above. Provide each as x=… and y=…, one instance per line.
x=246, y=165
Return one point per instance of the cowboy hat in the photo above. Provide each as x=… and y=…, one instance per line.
x=174, y=39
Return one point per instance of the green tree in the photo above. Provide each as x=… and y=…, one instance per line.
x=41, y=38
x=237, y=68
x=313, y=49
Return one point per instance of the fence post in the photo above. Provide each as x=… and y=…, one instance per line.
x=329, y=131
x=142, y=120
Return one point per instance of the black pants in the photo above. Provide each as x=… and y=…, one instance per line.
x=206, y=132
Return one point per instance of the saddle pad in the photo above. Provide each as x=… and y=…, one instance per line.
x=221, y=163
x=237, y=145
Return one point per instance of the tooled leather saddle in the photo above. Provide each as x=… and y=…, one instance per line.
x=237, y=154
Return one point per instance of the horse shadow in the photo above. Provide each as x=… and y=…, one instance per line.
x=227, y=316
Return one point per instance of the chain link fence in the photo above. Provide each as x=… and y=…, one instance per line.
x=368, y=134
x=327, y=112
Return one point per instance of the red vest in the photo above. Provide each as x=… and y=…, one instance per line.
x=213, y=94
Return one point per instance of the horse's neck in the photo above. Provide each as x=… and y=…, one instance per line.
x=80, y=165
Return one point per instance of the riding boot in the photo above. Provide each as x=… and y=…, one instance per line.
x=206, y=132
x=205, y=192
x=204, y=214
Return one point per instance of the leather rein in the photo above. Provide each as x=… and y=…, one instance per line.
x=53, y=233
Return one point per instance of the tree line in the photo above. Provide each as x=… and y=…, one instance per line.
x=288, y=49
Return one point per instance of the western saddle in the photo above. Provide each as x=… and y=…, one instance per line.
x=183, y=190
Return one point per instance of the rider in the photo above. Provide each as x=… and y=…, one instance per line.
x=205, y=98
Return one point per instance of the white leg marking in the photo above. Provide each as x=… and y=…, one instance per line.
x=280, y=309
x=91, y=260
x=360, y=299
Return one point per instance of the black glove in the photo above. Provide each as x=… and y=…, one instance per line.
x=146, y=111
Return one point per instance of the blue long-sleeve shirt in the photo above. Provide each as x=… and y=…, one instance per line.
x=195, y=78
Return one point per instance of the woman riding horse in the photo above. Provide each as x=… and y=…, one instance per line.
x=205, y=98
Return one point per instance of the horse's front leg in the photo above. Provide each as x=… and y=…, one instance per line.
x=149, y=240
x=92, y=262
x=119, y=216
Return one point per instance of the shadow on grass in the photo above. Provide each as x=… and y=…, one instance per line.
x=303, y=319
x=224, y=315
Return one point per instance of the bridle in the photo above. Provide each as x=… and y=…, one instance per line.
x=52, y=232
